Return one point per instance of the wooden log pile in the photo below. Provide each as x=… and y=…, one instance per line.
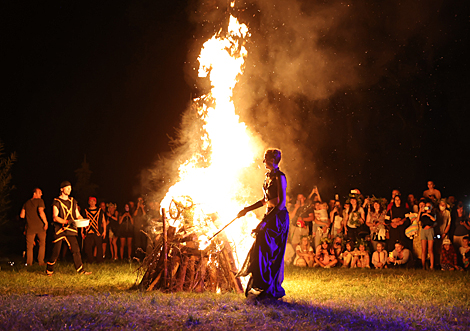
x=177, y=264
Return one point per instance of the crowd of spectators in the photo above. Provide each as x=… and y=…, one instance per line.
x=113, y=233
x=363, y=232
x=431, y=232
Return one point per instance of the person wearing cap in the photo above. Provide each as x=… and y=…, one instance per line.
x=36, y=225
x=95, y=233
x=64, y=213
x=448, y=256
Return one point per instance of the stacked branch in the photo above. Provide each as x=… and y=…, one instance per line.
x=177, y=264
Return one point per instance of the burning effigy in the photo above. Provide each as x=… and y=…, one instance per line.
x=212, y=184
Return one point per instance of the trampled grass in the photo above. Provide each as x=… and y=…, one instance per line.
x=317, y=299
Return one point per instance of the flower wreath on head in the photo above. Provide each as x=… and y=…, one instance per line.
x=355, y=195
x=360, y=242
x=381, y=201
x=327, y=240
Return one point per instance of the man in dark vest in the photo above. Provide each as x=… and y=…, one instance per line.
x=64, y=213
x=36, y=224
x=95, y=232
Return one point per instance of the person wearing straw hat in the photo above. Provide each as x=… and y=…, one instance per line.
x=64, y=213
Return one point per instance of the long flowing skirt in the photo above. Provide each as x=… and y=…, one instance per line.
x=265, y=261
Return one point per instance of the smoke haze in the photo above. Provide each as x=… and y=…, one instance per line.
x=316, y=74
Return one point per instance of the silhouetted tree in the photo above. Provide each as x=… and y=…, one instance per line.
x=6, y=164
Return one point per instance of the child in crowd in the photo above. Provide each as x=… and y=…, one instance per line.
x=465, y=251
x=336, y=220
x=304, y=254
x=361, y=256
x=448, y=256
x=325, y=255
x=379, y=258
x=322, y=222
x=348, y=255
x=338, y=249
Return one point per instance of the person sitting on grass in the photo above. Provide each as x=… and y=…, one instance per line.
x=448, y=256
x=465, y=252
x=400, y=257
x=304, y=253
x=325, y=255
x=338, y=249
x=347, y=255
x=379, y=258
x=361, y=257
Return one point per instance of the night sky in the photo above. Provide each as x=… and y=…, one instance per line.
x=111, y=80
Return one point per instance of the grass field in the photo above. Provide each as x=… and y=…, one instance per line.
x=317, y=299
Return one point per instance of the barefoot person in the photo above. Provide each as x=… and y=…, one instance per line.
x=265, y=261
x=64, y=213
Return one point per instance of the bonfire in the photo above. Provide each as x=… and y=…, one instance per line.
x=211, y=186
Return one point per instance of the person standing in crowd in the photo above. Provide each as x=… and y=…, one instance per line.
x=113, y=219
x=431, y=193
x=106, y=235
x=65, y=212
x=442, y=228
x=126, y=231
x=462, y=225
x=140, y=217
x=427, y=220
x=376, y=221
x=412, y=204
x=353, y=217
x=322, y=222
x=301, y=218
x=336, y=220
x=94, y=233
x=265, y=261
x=397, y=222
x=36, y=225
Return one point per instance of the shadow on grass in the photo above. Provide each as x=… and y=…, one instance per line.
x=318, y=317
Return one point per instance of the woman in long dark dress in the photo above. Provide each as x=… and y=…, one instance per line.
x=265, y=261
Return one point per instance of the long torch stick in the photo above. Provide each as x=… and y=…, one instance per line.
x=222, y=229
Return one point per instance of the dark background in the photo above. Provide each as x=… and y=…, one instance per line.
x=107, y=80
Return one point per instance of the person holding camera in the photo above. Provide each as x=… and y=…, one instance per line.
x=126, y=231
x=428, y=222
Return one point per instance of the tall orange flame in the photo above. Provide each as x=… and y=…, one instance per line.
x=227, y=147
